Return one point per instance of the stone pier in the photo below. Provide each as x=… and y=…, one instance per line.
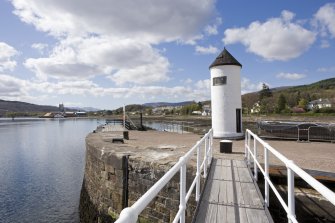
x=117, y=174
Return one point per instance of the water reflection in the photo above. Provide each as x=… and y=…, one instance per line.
x=41, y=168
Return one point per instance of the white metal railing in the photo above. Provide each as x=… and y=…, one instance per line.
x=130, y=214
x=291, y=170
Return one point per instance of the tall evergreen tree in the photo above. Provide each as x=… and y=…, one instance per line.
x=265, y=92
x=281, y=104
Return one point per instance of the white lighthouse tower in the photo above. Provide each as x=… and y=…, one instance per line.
x=226, y=97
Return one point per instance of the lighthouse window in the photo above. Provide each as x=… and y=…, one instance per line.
x=219, y=81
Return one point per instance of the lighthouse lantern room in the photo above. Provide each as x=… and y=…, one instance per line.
x=226, y=97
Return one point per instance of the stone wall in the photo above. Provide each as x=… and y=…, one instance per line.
x=103, y=194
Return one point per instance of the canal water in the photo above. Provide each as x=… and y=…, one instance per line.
x=41, y=168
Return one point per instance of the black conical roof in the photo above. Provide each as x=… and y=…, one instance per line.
x=225, y=58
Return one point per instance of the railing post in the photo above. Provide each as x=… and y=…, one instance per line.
x=255, y=159
x=248, y=155
x=245, y=143
x=210, y=147
x=182, y=205
x=205, y=161
x=266, y=177
x=291, y=198
x=197, y=187
x=208, y=152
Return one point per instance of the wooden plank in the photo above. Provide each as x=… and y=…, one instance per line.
x=231, y=195
x=250, y=195
x=244, y=175
x=243, y=216
x=214, y=193
x=228, y=171
x=225, y=162
x=221, y=214
x=232, y=216
x=240, y=163
x=236, y=175
x=239, y=194
x=211, y=215
x=257, y=215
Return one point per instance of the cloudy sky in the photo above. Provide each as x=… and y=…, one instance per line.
x=106, y=53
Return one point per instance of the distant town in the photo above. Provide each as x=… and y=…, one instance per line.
x=314, y=99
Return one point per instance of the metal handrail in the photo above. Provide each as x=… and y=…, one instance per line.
x=130, y=214
x=291, y=170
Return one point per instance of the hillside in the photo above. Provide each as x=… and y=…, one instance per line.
x=320, y=89
x=160, y=104
x=24, y=107
x=17, y=106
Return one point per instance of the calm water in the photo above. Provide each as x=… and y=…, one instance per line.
x=41, y=169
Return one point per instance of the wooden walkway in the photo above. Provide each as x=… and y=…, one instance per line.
x=231, y=195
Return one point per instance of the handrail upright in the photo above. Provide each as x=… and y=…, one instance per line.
x=255, y=164
x=292, y=169
x=266, y=177
x=198, y=174
x=130, y=214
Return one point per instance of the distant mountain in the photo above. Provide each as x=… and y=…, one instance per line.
x=22, y=107
x=86, y=109
x=173, y=104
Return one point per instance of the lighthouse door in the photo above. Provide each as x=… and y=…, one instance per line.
x=238, y=120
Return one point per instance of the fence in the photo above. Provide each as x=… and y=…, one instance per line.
x=178, y=126
x=297, y=131
x=130, y=214
x=292, y=169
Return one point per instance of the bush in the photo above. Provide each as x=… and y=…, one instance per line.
x=326, y=110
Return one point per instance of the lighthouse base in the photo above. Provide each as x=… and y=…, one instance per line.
x=225, y=135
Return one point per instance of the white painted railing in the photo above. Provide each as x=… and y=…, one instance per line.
x=291, y=170
x=130, y=214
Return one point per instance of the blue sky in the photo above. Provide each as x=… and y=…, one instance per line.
x=105, y=54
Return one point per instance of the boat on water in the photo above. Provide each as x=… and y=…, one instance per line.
x=58, y=116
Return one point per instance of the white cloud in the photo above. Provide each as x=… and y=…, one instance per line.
x=150, y=21
x=247, y=86
x=187, y=81
x=12, y=88
x=7, y=53
x=111, y=38
x=325, y=17
x=206, y=50
x=203, y=84
x=40, y=47
x=290, y=76
x=213, y=29
x=122, y=60
x=326, y=69
x=275, y=39
x=324, y=44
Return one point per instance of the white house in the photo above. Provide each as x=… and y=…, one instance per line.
x=320, y=103
x=256, y=108
x=226, y=96
x=206, y=110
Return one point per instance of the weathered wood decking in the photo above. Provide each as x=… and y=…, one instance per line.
x=231, y=195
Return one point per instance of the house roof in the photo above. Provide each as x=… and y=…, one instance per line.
x=225, y=58
x=321, y=101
